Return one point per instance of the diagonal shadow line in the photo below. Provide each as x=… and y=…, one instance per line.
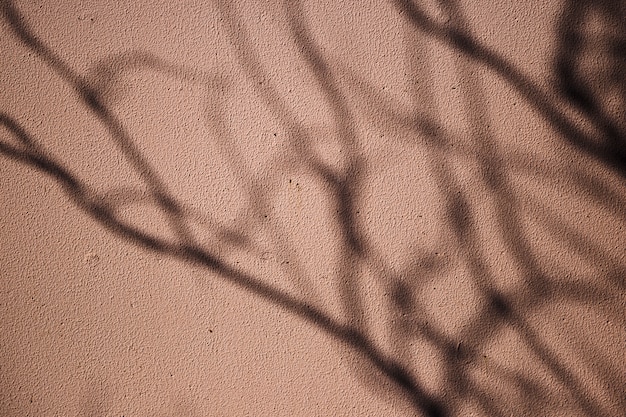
x=571, y=41
x=81, y=194
x=85, y=198
x=342, y=182
x=611, y=154
x=93, y=100
x=516, y=242
x=192, y=253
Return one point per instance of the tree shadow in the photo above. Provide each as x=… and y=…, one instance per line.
x=467, y=375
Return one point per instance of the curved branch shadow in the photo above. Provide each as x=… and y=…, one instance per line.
x=498, y=310
x=606, y=148
x=99, y=208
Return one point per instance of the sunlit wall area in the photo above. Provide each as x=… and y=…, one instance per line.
x=215, y=208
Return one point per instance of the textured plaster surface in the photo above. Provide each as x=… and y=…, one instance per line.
x=311, y=209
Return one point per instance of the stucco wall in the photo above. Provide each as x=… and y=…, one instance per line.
x=214, y=208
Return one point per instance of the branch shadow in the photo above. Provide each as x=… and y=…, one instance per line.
x=499, y=310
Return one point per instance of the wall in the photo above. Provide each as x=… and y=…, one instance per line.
x=312, y=208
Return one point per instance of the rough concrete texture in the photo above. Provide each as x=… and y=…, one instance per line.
x=321, y=208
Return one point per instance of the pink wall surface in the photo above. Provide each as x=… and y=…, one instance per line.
x=321, y=208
